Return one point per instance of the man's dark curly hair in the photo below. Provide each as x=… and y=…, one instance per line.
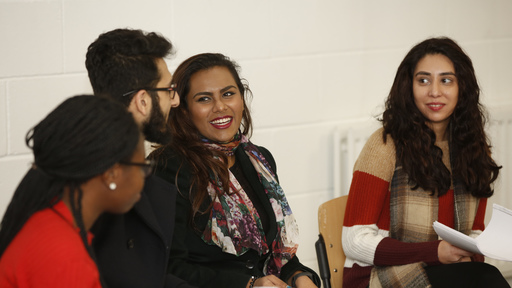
x=470, y=152
x=122, y=60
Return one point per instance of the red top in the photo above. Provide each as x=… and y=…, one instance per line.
x=48, y=252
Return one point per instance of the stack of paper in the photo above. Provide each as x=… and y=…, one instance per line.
x=494, y=242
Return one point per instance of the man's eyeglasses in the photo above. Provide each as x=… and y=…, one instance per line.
x=171, y=90
x=147, y=167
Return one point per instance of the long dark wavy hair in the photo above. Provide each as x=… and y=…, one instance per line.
x=185, y=136
x=82, y=138
x=471, y=160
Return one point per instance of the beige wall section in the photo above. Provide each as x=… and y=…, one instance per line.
x=312, y=65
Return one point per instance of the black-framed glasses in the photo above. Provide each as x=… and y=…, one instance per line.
x=147, y=167
x=171, y=89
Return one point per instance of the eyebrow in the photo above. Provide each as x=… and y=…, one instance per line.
x=227, y=88
x=428, y=74
x=210, y=93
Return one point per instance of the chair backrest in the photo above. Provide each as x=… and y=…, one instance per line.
x=330, y=226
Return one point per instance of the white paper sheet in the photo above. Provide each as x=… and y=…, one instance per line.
x=495, y=242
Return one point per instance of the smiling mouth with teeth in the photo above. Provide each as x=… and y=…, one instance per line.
x=435, y=106
x=222, y=121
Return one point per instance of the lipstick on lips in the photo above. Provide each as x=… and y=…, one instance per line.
x=222, y=122
x=435, y=106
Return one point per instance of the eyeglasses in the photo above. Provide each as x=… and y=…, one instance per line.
x=171, y=90
x=147, y=167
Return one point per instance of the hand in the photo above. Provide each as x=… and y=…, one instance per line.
x=448, y=254
x=270, y=281
x=304, y=282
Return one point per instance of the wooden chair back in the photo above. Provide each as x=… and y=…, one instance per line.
x=330, y=225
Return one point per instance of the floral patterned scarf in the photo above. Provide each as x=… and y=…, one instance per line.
x=234, y=223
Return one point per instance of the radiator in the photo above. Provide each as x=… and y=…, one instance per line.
x=500, y=133
x=348, y=141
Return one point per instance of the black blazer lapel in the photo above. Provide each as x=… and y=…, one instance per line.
x=157, y=192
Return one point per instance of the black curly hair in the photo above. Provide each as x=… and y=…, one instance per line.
x=471, y=160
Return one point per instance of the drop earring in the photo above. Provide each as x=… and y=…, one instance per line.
x=112, y=186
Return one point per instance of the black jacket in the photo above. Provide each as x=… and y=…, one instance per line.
x=132, y=249
x=207, y=265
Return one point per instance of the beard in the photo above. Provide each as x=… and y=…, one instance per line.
x=156, y=129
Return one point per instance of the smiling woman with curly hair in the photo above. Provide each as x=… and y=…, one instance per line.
x=431, y=161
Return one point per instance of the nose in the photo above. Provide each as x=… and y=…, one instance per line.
x=435, y=89
x=219, y=106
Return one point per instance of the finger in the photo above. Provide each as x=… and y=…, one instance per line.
x=466, y=259
x=271, y=280
x=278, y=283
x=464, y=253
x=274, y=279
x=462, y=259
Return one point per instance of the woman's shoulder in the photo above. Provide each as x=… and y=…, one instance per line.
x=376, y=141
x=170, y=165
x=162, y=152
x=47, y=228
x=47, y=248
x=166, y=158
x=378, y=156
x=266, y=153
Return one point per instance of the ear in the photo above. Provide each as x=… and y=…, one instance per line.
x=140, y=106
x=112, y=175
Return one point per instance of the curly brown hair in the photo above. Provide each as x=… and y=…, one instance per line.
x=470, y=152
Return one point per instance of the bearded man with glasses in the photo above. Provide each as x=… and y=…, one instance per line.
x=132, y=250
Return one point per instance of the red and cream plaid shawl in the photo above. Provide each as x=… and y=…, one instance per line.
x=412, y=213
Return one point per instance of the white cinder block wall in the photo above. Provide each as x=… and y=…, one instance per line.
x=312, y=65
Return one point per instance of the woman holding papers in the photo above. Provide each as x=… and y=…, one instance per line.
x=430, y=161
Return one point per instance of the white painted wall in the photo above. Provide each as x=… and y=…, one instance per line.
x=312, y=65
